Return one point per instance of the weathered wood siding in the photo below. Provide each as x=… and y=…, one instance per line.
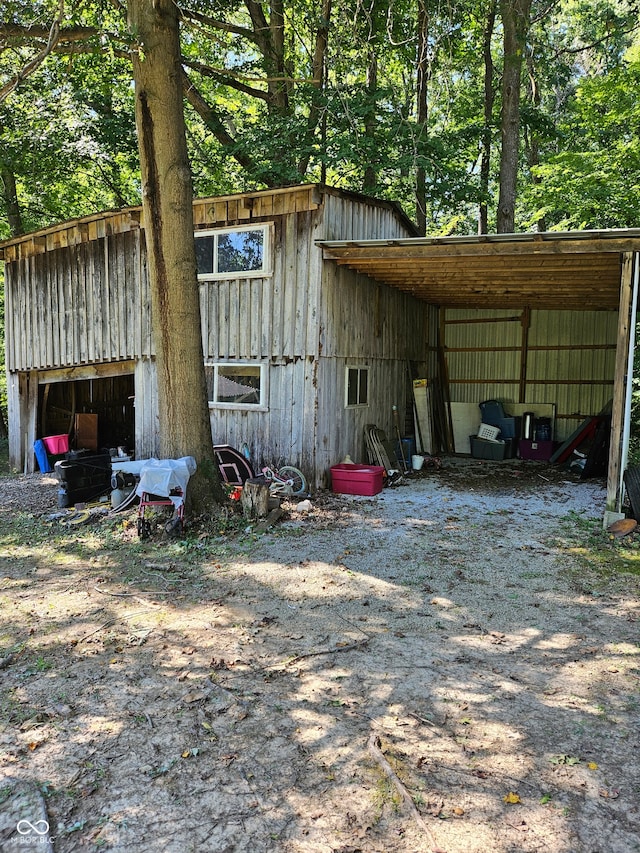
x=82, y=304
x=285, y=434
x=363, y=323
x=78, y=295
x=271, y=317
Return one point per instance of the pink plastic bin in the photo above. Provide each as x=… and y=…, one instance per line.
x=56, y=444
x=357, y=479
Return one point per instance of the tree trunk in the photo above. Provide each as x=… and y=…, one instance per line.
x=167, y=201
x=10, y=196
x=370, y=179
x=515, y=23
x=487, y=130
x=531, y=139
x=422, y=85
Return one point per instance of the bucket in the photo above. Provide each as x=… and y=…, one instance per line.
x=417, y=462
x=405, y=448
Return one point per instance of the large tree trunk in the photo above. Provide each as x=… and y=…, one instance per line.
x=515, y=22
x=487, y=130
x=167, y=201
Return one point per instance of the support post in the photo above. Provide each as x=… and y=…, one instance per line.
x=621, y=388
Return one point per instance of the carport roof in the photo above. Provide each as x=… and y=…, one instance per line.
x=572, y=270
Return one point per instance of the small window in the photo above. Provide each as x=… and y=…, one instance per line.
x=236, y=386
x=357, y=386
x=232, y=252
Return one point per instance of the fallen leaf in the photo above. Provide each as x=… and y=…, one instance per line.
x=512, y=798
x=458, y=811
x=569, y=760
x=592, y=765
x=622, y=527
x=190, y=753
x=196, y=696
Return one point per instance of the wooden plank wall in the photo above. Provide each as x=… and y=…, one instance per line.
x=284, y=434
x=363, y=322
x=270, y=317
x=78, y=305
x=89, y=302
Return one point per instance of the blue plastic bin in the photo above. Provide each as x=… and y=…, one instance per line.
x=42, y=458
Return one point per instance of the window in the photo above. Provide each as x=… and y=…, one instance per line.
x=232, y=385
x=357, y=386
x=233, y=252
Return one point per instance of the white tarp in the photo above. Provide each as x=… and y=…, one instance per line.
x=160, y=476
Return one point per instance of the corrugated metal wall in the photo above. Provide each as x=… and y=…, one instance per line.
x=570, y=360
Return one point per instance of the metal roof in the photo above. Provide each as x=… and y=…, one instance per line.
x=571, y=270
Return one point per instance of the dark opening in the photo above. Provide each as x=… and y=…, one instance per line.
x=110, y=402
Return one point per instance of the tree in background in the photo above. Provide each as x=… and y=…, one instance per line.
x=456, y=110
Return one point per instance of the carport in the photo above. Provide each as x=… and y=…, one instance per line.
x=555, y=274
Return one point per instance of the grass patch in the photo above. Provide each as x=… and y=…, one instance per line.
x=601, y=557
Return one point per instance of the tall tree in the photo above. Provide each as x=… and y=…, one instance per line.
x=422, y=111
x=167, y=201
x=515, y=25
x=487, y=111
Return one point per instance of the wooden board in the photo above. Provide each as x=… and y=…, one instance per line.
x=422, y=415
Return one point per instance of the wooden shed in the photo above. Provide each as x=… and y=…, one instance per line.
x=300, y=353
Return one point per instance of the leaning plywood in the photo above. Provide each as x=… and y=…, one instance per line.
x=422, y=415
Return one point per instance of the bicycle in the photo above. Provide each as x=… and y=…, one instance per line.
x=285, y=481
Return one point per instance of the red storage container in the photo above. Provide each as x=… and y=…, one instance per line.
x=56, y=444
x=541, y=450
x=357, y=479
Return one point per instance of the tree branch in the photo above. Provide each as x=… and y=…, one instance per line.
x=226, y=78
x=213, y=121
x=214, y=23
x=52, y=40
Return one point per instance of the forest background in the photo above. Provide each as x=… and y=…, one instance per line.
x=516, y=115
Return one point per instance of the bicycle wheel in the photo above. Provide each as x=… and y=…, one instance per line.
x=298, y=481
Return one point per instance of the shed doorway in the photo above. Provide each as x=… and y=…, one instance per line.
x=95, y=413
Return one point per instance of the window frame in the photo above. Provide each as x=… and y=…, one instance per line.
x=360, y=368
x=262, y=406
x=265, y=270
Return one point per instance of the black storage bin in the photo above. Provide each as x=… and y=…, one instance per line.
x=83, y=477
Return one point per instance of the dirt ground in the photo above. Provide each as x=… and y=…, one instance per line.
x=433, y=668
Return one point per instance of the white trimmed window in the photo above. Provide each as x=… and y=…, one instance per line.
x=236, y=385
x=233, y=252
x=356, y=386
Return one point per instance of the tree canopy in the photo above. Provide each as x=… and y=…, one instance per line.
x=442, y=106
